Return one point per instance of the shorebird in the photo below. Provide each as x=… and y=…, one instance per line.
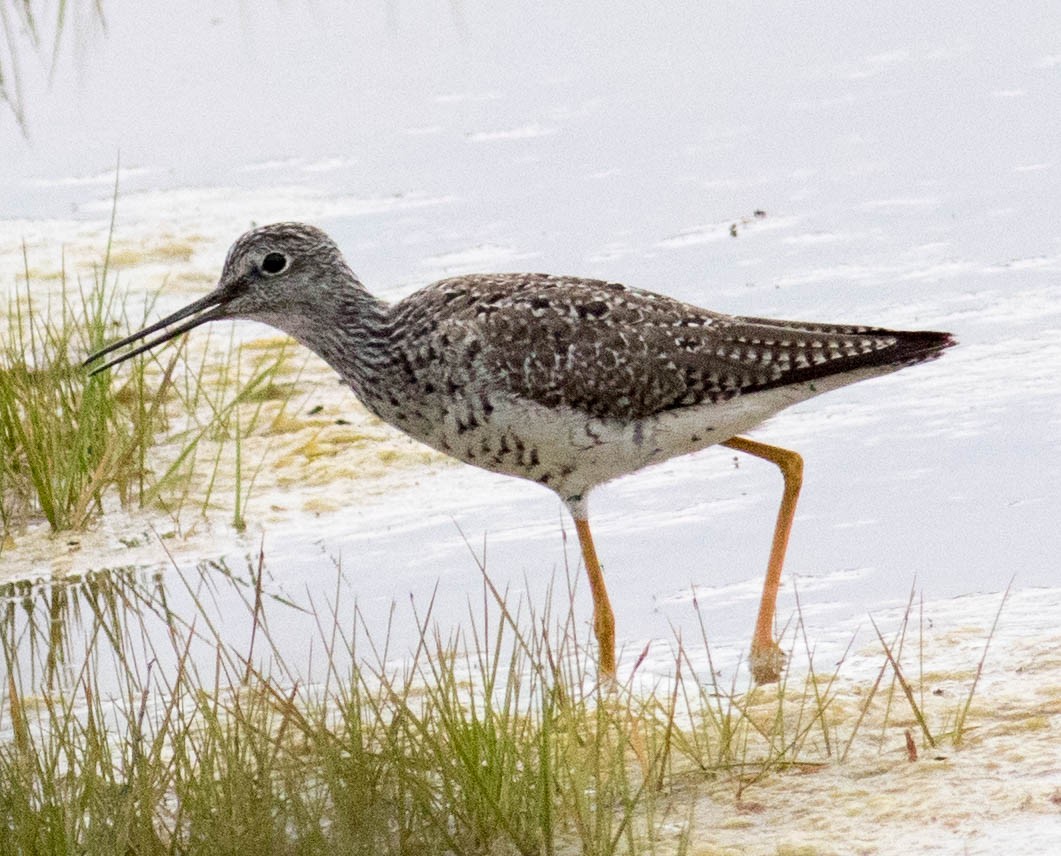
x=565, y=381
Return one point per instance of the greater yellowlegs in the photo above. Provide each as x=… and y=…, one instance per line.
x=564, y=381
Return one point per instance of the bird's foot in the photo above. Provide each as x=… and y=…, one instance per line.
x=766, y=662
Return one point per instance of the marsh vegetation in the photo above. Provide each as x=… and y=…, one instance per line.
x=137, y=721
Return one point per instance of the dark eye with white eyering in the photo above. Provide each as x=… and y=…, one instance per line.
x=274, y=263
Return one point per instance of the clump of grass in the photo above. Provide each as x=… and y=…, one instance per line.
x=66, y=440
x=143, y=726
x=137, y=744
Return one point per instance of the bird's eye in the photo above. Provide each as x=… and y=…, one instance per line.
x=274, y=263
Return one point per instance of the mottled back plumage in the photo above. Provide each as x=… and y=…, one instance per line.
x=622, y=353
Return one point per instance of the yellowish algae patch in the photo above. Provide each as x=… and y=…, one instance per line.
x=306, y=447
x=164, y=248
x=310, y=445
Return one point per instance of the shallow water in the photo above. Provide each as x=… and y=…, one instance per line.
x=907, y=165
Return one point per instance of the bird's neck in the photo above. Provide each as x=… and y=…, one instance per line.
x=348, y=328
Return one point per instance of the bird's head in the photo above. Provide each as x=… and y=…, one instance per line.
x=275, y=274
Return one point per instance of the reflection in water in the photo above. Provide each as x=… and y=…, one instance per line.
x=49, y=630
x=109, y=625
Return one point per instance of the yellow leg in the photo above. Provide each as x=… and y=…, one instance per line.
x=766, y=656
x=603, y=617
x=604, y=629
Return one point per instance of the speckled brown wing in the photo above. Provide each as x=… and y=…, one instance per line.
x=617, y=352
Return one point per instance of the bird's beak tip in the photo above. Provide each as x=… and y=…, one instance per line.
x=208, y=308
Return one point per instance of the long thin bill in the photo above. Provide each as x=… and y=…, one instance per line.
x=208, y=308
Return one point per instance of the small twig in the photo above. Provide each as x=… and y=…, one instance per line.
x=911, y=746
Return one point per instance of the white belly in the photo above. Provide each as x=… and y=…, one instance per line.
x=571, y=454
